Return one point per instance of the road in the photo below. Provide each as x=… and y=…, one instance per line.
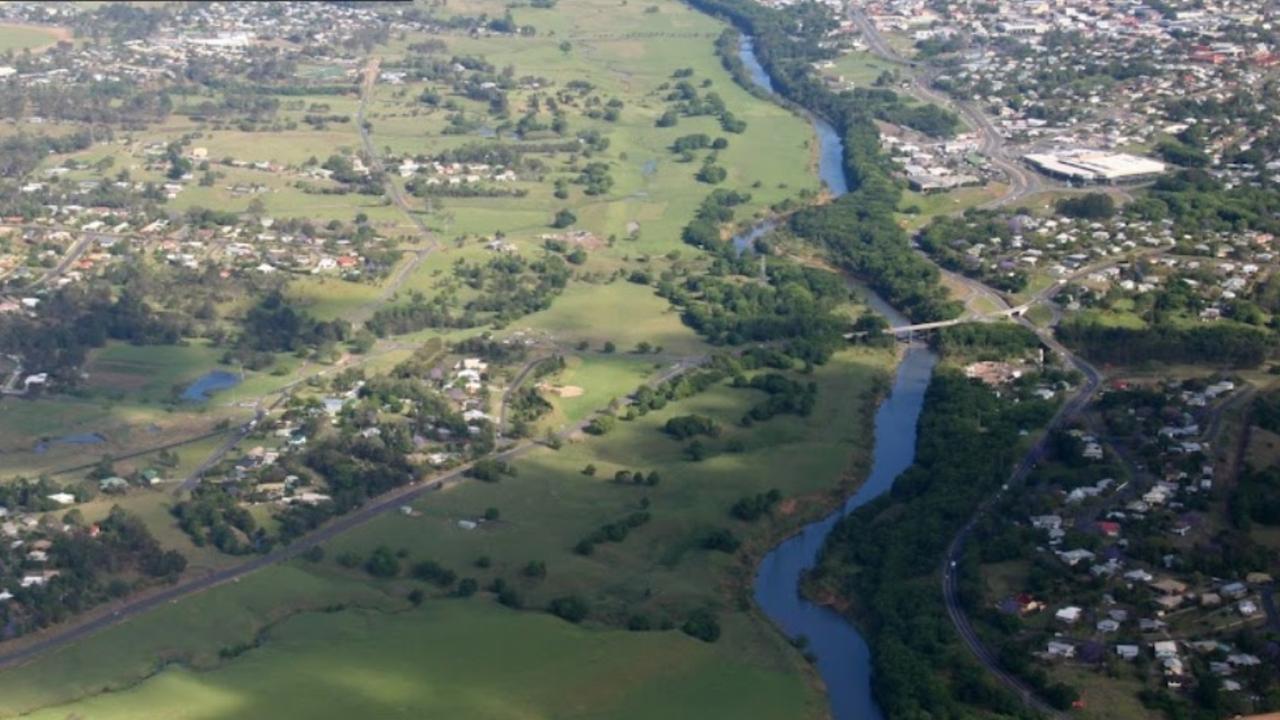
x=1022, y=182
x=513, y=386
x=950, y=582
x=394, y=191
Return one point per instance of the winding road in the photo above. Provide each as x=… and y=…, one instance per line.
x=1022, y=183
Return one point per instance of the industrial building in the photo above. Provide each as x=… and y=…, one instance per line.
x=1095, y=166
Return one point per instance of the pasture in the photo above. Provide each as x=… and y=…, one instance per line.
x=460, y=659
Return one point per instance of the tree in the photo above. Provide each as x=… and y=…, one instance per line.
x=600, y=425
x=382, y=563
x=564, y=218
x=703, y=625
x=571, y=608
x=1091, y=206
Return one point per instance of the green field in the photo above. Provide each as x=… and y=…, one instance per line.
x=324, y=639
x=660, y=569
x=26, y=37
x=624, y=313
x=458, y=659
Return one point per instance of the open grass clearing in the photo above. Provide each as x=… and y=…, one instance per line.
x=18, y=37
x=620, y=312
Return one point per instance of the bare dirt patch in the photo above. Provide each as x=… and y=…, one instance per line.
x=564, y=391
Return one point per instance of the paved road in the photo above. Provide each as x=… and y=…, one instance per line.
x=950, y=589
x=514, y=385
x=1022, y=182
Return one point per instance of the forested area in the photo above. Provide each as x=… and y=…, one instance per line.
x=796, y=307
x=888, y=552
x=1224, y=344
x=984, y=341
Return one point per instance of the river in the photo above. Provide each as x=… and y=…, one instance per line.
x=843, y=659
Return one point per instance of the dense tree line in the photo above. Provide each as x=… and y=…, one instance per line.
x=93, y=568
x=1223, y=343
x=786, y=396
x=861, y=233
x=273, y=325
x=887, y=553
x=797, y=306
x=76, y=319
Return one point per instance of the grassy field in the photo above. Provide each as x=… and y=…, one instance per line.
x=931, y=205
x=147, y=373
x=600, y=378
x=14, y=37
x=660, y=569
x=624, y=313
x=457, y=659
x=378, y=656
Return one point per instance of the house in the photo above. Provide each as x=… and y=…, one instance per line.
x=1059, y=649
x=1164, y=649
x=1169, y=586
x=63, y=498
x=1127, y=652
x=1108, y=626
x=1075, y=557
x=1234, y=590
x=113, y=484
x=1247, y=608
x=1069, y=615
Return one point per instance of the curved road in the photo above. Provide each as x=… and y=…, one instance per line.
x=1022, y=183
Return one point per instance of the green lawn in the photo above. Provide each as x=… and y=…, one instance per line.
x=601, y=379
x=650, y=187
x=460, y=659
x=660, y=568
x=441, y=659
